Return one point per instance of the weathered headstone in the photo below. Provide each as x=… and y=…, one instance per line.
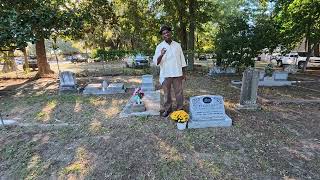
x=249, y=89
x=208, y=111
x=67, y=81
x=147, y=83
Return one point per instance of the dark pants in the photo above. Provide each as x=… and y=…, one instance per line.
x=176, y=82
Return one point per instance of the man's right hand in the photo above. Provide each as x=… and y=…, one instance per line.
x=163, y=51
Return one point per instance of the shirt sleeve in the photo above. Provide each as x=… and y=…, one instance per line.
x=182, y=59
x=156, y=55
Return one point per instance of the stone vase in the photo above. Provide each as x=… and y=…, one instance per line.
x=182, y=126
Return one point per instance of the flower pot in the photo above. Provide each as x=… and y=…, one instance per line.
x=182, y=126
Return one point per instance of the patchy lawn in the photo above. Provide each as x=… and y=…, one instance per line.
x=279, y=141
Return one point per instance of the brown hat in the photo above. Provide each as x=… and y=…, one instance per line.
x=165, y=27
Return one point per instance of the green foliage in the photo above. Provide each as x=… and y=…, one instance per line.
x=266, y=33
x=245, y=34
x=14, y=32
x=110, y=55
x=299, y=19
x=27, y=21
x=234, y=45
x=269, y=70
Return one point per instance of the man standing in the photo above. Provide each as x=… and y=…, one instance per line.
x=170, y=58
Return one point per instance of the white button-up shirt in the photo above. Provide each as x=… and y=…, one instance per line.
x=172, y=61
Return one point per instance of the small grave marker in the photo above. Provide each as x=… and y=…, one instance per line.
x=67, y=81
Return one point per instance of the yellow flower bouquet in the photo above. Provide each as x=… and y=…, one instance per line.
x=180, y=116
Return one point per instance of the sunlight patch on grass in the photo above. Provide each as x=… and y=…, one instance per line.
x=114, y=108
x=81, y=164
x=229, y=104
x=44, y=115
x=95, y=126
x=112, y=111
x=41, y=114
x=215, y=170
x=77, y=107
x=96, y=101
x=168, y=152
x=34, y=167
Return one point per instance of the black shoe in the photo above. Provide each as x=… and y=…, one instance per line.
x=166, y=113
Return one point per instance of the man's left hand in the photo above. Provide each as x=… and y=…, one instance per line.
x=184, y=77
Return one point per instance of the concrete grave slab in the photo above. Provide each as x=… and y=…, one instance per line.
x=97, y=89
x=151, y=101
x=9, y=123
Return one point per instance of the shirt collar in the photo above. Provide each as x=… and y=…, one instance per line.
x=167, y=43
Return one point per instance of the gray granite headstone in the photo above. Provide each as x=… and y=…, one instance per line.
x=208, y=111
x=249, y=89
x=67, y=81
x=147, y=83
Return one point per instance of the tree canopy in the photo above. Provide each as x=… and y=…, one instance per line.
x=234, y=29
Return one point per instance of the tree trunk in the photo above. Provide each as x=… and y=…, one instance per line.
x=43, y=65
x=181, y=7
x=317, y=51
x=192, y=8
x=310, y=50
x=183, y=34
x=9, y=64
x=26, y=63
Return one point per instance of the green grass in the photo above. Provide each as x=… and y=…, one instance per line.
x=99, y=144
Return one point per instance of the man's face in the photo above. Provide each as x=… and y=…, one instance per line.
x=166, y=35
